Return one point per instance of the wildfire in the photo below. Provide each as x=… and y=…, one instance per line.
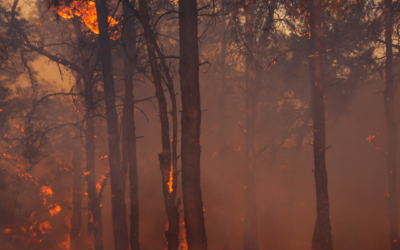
x=67, y=243
x=86, y=10
x=46, y=190
x=182, y=236
x=44, y=226
x=171, y=180
x=54, y=210
x=100, y=182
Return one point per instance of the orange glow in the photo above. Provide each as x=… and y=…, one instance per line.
x=44, y=226
x=66, y=245
x=370, y=139
x=7, y=230
x=182, y=236
x=86, y=10
x=46, y=190
x=171, y=180
x=99, y=183
x=53, y=211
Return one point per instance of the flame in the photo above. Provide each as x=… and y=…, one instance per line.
x=44, y=226
x=182, y=236
x=86, y=10
x=67, y=243
x=171, y=180
x=7, y=230
x=99, y=183
x=46, y=190
x=53, y=211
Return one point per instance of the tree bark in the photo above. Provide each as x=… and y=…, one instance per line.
x=116, y=174
x=250, y=217
x=76, y=219
x=389, y=94
x=191, y=119
x=129, y=41
x=168, y=170
x=95, y=225
x=322, y=239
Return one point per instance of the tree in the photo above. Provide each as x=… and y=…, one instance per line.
x=190, y=122
x=388, y=95
x=129, y=41
x=120, y=230
x=322, y=238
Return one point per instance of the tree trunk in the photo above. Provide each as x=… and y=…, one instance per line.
x=250, y=217
x=223, y=141
x=168, y=171
x=389, y=95
x=129, y=41
x=76, y=219
x=191, y=118
x=95, y=225
x=116, y=174
x=322, y=239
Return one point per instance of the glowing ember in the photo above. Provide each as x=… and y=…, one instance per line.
x=182, y=236
x=171, y=179
x=67, y=243
x=86, y=10
x=44, y=226
x=99, y=183
x=46, y=190
x=54, y=210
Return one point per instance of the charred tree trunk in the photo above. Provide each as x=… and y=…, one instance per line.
x=322, y=238
x=116, y=174
x=250, y=217
x=95, y=225
x=76, y=219
x=389, y=95
x=168, y=172
x=129, y=40
x=191, y=119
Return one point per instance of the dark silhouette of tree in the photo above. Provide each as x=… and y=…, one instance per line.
x=120, y=230
x=190, y=122
x=322, y=238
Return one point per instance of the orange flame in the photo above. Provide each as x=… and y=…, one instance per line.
x=99, y=183
x=55, y=210
x=46, y=190
x=87, y=11
x=44, y=226
x=182, y=236
x=66, y=245
x=171, y=180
